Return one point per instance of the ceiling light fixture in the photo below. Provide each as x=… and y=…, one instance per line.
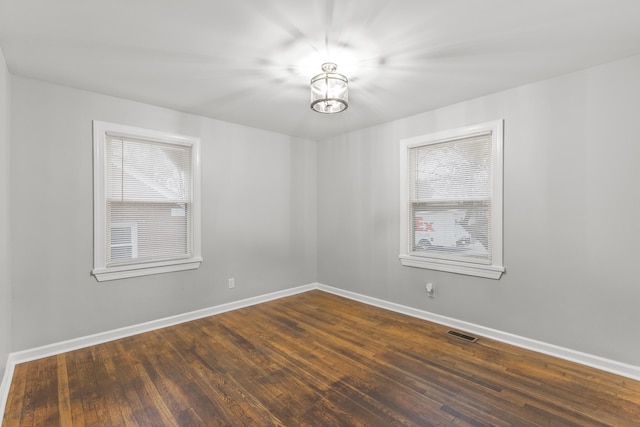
x=329, y=91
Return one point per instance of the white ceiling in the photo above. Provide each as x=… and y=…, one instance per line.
x=250, y=61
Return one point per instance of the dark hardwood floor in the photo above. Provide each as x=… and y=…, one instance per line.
x=314, y=359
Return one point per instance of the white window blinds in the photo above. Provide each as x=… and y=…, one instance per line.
x=148, y=186
x=450, y=198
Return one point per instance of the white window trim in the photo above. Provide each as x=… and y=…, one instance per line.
x=101, y=271
x=409, y=259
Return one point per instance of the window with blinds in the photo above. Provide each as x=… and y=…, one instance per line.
x=452, y=201
x=146, y=202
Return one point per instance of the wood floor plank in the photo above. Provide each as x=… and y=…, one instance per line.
x=112, y=392
x=64, y=401
x=314, y=359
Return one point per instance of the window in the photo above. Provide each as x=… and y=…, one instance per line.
x=451, y=201
x=146, y=202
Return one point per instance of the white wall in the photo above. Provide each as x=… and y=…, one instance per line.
x=259, y=216
x=5, y=258
x=572, y=202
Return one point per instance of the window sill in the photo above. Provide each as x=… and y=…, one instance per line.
x=126, y=271
x=469, y=269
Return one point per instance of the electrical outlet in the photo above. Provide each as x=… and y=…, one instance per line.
x=232, y=283
x=431, y=290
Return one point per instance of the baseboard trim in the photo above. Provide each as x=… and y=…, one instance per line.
x=5, y=385
x=629, y=371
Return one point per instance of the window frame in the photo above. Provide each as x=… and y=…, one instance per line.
x=101, y=270
x=446, y=263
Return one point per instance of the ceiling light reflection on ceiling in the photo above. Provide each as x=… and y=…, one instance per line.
x=329, y=90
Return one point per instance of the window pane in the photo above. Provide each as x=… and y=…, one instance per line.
x=461, y=229
x=162, y=229
x=149, y=191
x=148, y=170
x=452, y=170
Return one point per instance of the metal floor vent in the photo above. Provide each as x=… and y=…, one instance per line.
x=462, y=336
